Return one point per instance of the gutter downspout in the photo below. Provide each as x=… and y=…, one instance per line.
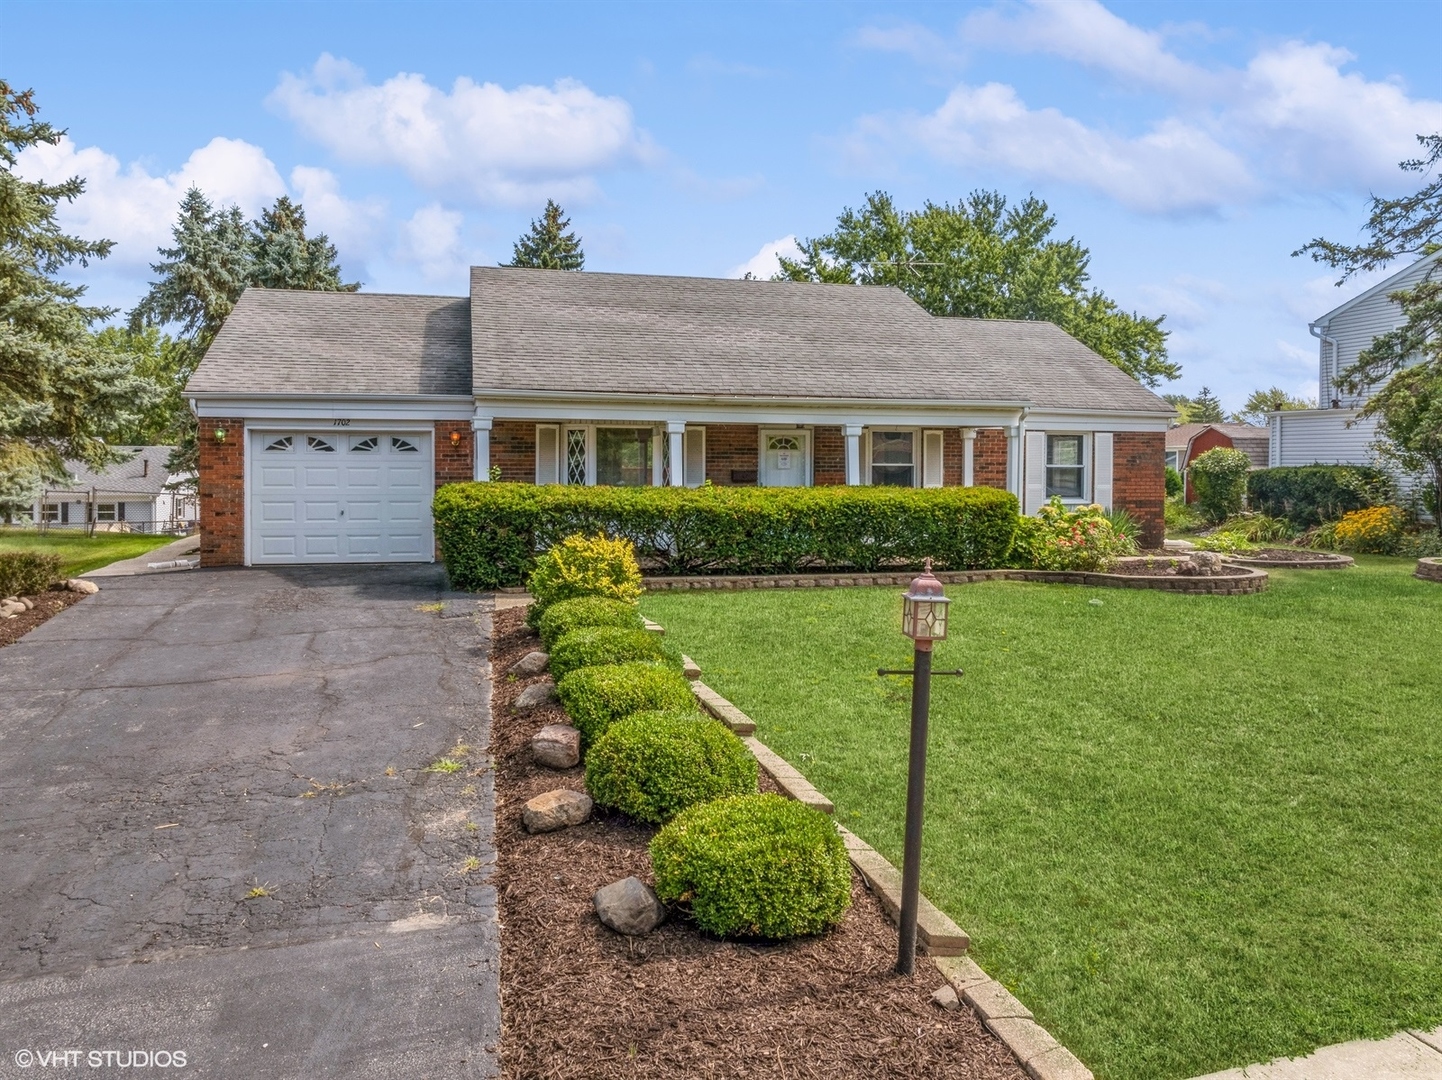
x=1330, y=380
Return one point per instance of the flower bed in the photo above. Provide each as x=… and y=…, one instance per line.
x=47, y=605
x=1292, y=559
x=581, y=1001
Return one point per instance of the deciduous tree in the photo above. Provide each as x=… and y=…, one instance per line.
x=1273, y=399
x=983, y=259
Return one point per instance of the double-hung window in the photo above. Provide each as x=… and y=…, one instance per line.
x=1065, y=466
x=623, y=456
x=893, y=458
x=105, y=512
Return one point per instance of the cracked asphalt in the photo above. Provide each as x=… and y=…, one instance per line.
x=221, y=828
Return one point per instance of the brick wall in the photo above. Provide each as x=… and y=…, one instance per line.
x=222, y=493
x=513, y=448
x=828, y=456
x=455, y=464
x=953, y=457
x=988, y=464
x=732, y=447
x=1139, y=481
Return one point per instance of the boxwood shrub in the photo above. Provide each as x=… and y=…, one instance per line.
x=652, y=765
x=25, y=573
x=595, y=697
x=754, y=866
x=561, y=618
x=580, y=565
x=1309, y=495
x=491, y=534
x=592, y=645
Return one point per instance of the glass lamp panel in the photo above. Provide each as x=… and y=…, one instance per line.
x=908, y=617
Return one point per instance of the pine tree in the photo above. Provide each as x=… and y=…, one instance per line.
x=61, y=388
x=548, y=246
x=1206, y=409
x=285, y=258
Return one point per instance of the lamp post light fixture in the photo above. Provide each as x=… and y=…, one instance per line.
x=923, y=619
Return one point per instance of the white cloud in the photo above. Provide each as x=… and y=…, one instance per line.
x=431, y=239
x=136, y=209
x=1291, y=120
x=355, y=226
x=1086, y=32
x=918, y=42
x=764, y=263
x=479, y=141
x=1174, y=166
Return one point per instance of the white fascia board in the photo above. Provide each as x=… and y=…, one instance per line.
x=1095, y=420
x=331, y=407
x=1384, y=286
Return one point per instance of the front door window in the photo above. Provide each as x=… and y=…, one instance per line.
x=623, y=456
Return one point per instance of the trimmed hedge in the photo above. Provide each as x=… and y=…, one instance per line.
x=653, y=765
x=580, y=565
x=754, y=865
x=1308, y=495
x=590, y=646
x=490, y=534
x=596, y=697
x=567, y=615
x=25, y=573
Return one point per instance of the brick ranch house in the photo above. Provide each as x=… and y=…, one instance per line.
x=328, y=419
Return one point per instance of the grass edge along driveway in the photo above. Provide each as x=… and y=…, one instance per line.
x=1189, y=832
x=81, y=553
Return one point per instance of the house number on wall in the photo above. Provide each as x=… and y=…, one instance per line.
x=340, y=423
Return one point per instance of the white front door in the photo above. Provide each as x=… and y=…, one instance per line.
x=785, y=458
x=340, y=496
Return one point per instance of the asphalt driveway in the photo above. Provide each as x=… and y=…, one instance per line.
x=220, y=832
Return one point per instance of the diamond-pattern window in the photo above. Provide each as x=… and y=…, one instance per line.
x=576, y=456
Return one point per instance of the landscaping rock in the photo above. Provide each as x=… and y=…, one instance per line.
x=1202, y=564
x=946, y=998
x=630, y=907
x=533, y=663
x=80, y=585
x=556, y=746
x=534, y=696
x=29, y=604
x=556, y=810
x=10, y=608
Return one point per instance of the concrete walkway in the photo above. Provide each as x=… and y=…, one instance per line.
x=187, y=547
x=219, y=831
x=1408, y=1055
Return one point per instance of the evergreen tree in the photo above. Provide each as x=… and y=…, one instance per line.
x=982, y=259
x=1261, y=402
x=548, y=246
x=1405, y=362
x=285, y=258
x=61, y=387
x=1206, y=409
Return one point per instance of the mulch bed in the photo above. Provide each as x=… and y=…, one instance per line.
x=578, y=1000
x=1163, y=567
x=1290, y=555
x=47, y=605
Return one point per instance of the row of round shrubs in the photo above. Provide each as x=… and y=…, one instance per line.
x=748, y=864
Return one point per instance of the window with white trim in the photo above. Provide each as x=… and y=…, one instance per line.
x=575, y=455
x=50, y=512
x=1065, y=466
x=105, y=512
x=893, y=458
x=623, y=456
x=277, y=446
x=323, y=446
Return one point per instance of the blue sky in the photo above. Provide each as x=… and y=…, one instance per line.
x=1191, y=147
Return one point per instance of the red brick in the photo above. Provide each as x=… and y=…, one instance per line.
x=1139, y=481
x=455, y=462
x=828, y=456
x=988, y=463
x=732, y=448
x=222, y=492
x=513, y=448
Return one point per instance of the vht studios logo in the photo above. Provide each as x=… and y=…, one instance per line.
x=101, y=1059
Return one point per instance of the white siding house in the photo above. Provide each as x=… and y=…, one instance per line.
x=1333, y=434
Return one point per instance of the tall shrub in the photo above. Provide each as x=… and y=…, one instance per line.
x=491, y=534
x=25, y=573
x=579, y=565
x=1309, y=495
x=1219, y=478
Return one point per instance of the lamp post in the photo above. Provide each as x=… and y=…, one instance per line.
x=923, y=619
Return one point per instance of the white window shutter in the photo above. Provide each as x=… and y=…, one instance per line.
x=693, y=472
x=1102, y=484
x=1035, y=472
x=932, y=470
x=548, y=454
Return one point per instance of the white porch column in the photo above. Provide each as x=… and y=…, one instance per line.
x=481, y=432
x=968, y=456
x=853, y=454
x=676, y=432
x=1014, y=474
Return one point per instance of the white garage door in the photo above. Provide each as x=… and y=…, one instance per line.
x=328, y=496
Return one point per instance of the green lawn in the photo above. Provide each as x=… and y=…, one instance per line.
x=81, y=553
x=1188, y=832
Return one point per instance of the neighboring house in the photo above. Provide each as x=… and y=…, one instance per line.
x=1334, y=434
x=137, y=495
x=328, y=419
x=1186, y=442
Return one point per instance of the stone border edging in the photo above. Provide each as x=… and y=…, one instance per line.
x=1429, y=569
x=1253, y=581
x=1335, y=562
x=939, y=936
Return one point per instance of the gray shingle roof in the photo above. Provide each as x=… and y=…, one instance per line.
x=280, y=341
x=632, y=333
x=144, y=474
